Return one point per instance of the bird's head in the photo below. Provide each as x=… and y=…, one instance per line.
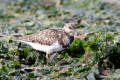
x=69, y=28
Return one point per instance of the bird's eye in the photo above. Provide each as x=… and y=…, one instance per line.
x=70, y=27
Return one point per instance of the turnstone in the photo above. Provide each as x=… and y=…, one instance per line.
x=51, y=40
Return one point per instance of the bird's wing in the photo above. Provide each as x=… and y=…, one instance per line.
x=45, y=37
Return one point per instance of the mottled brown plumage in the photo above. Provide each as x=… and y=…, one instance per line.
x=51, y=40
x=48, y=37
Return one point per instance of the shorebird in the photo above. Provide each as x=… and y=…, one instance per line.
x=50, y=40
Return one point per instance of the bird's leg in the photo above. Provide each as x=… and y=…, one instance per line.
x=48, y=56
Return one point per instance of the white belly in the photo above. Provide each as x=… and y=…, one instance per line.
x=46, y=48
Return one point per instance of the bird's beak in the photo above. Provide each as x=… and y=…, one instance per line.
x=77, y=34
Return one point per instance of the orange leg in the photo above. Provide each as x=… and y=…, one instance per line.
x=48, y=56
